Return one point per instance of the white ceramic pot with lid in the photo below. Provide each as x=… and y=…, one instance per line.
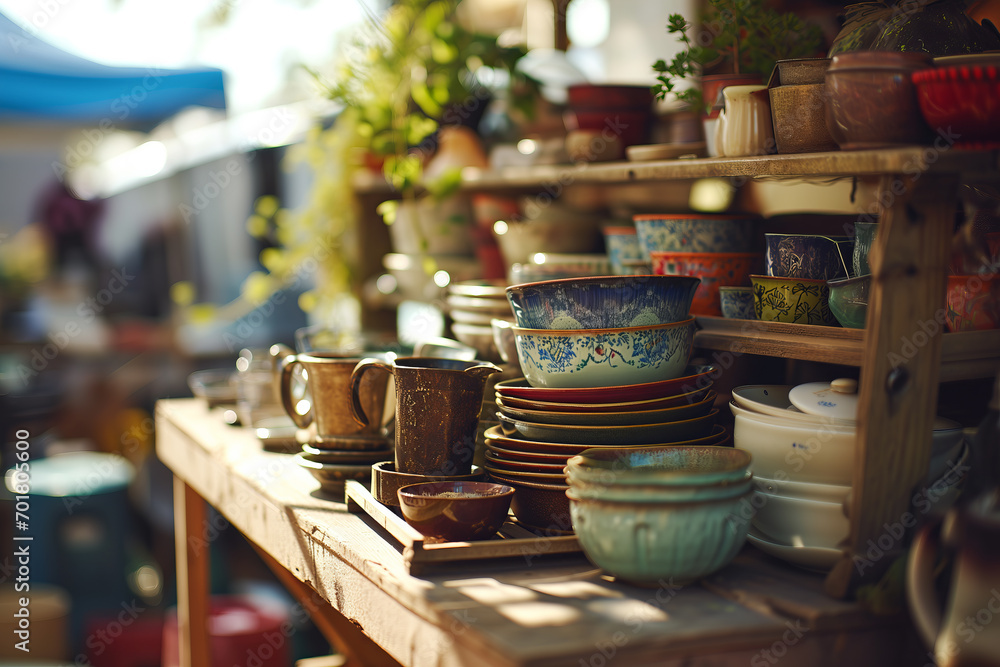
x=834, y=400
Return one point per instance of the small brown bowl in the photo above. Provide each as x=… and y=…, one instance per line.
x=456, y=511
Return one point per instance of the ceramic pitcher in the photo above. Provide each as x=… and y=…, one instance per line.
x=327, y=376
x=968, y=630
x=438, y=402
x=744, y=126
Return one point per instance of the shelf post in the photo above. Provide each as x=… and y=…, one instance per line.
x=899, y=373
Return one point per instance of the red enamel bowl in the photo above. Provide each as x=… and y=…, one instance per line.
x=961, y=102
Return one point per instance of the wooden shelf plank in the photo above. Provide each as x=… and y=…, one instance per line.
x=904, y=160
x=777, y=339
x=964, y=355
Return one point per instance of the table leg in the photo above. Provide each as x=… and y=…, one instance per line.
x=346, y=637
x=193, y=591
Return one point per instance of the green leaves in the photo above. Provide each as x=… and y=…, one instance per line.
x=741, y=35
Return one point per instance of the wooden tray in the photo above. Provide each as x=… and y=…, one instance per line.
x=513, y=541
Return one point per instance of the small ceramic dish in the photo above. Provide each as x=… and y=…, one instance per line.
x=814, y=559
x=456, y=511
x=496, y=463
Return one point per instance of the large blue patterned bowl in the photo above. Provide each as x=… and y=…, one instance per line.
x=603, y=302
x=604, y=357
x=695, y=232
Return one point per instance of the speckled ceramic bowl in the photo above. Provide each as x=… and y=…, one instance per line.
x=603, y=302
x=604, y=357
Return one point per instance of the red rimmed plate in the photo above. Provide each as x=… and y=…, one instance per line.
x=496, y=438
x=623, y=406
x=526, y=457
x=693, y=378
x=638, y=417
x=495, y=462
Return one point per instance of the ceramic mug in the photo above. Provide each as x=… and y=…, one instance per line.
x=744, y=126
x=438, y=403
x=964, y=630
x=328, y=405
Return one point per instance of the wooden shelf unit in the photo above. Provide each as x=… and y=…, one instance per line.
x=901, y=363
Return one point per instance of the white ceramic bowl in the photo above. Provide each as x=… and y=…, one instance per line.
x=604, y=357
x=800, y=521
x=800, y=452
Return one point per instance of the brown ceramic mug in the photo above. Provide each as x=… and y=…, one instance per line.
x=438, y=402
x=329, y=403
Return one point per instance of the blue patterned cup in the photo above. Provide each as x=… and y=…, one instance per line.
x=737, y=303
x=621, y=243
x=604, y=357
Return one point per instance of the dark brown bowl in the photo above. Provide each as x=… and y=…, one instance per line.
x=456, y=511
x=542, y=507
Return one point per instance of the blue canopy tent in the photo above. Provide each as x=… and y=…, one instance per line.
x=39, y=81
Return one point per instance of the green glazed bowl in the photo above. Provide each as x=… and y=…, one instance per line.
x=849, y=300
x=792, y=300
x=661, y=466
x=667, y=542
x=652, y=493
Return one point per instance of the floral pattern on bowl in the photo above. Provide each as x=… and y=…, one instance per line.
x=792, y=300
x=604, y=302
x=695, y=233
x=605, y=357
x=973, y=303
x=809, y=256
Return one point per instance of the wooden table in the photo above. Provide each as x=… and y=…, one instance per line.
x=548, y=610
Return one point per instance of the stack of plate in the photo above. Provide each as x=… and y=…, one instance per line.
x=542, y=427
x=472, y=304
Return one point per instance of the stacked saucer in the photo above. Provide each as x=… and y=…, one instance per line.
x=334, y=460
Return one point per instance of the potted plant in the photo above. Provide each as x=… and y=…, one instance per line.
x=738, y=41
x=406, y=75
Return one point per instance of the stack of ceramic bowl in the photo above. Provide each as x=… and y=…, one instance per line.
x=542, y=427
x=798, y=267
x=802, y=440
x=654, y=514
x=716, y=248
x=605, y=363
x=472, y=306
